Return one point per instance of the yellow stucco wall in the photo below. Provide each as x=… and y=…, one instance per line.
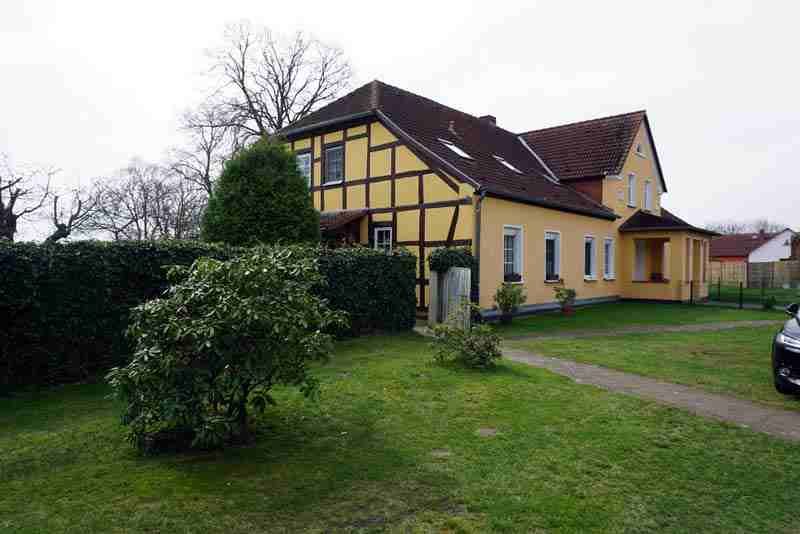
x=535, y=221
x=644, y=168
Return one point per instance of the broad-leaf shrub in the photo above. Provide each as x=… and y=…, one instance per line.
x=477, y=346
x=218, y=341
x=509, y=297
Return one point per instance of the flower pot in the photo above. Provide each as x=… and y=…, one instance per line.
x=568, y=310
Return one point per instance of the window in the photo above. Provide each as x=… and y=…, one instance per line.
x=589, y=261
x=632, y=190
x=648, y=195
x=383, y=239
x=334, y=164
x=304, y=164
x=640, y=150
x=608, y=259
x=454, y=148
x=512, y=254
x=506, y=164
x=552, y=256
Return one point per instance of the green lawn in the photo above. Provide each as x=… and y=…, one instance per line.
x=622, y=314
x=730, y=293
x=734, y=362
x=566, y=458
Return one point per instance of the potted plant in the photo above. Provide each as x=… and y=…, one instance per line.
x=508, y=298
x=512, y=277
x=566, y=298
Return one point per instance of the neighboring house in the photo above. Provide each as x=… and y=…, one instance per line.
x=757, y=247
x=578, y=205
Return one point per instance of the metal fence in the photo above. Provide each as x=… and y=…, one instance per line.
x=761, y=294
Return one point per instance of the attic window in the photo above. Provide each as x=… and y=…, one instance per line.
x=454, y=148
x=639, y=149
x=507, y=164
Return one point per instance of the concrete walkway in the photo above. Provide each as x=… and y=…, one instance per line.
x=780, y=423
x=649, y=329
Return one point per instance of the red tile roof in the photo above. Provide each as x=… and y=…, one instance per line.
x=332, y=220
x=589, y=148
x=424, y=122
x=738, y=245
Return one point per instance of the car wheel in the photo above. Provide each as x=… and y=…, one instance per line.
x=784, y=387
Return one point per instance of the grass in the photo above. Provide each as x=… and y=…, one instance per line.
x=622, y=314
x=733, y=362
x=567, y=458
x=730, y=293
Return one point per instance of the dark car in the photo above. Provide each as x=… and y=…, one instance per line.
x=786, y=354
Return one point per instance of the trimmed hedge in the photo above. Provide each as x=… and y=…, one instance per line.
x=376, y=289
x=64, y=307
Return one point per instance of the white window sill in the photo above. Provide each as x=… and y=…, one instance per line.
x=610, y=278
x=631, y=205
x=515, y=283
x=641, y=155
x=338, y=182
x=590, y=279
x=559, y=281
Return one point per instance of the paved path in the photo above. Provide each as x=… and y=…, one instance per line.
x=781, y=423
x=649, y=329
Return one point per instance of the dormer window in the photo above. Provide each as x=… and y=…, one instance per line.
x=506, y=164
x=455, y=148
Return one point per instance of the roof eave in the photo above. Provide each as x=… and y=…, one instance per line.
x=694, y=229
x=291, y=132
x=552, y=205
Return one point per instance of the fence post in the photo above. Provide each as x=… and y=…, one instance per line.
x=719, y=289
x=691, y=292
x=741, y=295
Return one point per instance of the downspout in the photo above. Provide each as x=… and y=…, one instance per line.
x=481, y=192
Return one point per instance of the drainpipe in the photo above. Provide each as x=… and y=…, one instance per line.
x=481, y=192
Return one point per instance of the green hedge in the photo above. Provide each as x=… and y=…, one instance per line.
x=377, y=290
x=65, y=307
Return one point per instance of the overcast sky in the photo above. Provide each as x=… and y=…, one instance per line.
x=86, y=85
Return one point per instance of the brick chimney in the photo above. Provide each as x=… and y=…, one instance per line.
x=491, y=119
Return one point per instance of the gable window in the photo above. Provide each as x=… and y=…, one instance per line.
x=632, y=190
x=552, y=256
x=512, y=253
x=506, y=164
x=608, y=259
x=304, y=164
x=383, y=239
x=334, y=164
x=454, y=148
x=589, y=259
x=640, y=150
x=648, y=195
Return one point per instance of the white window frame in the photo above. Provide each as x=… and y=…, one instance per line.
x=592, y=259
x=517, y=232
x=455, y=148
x=632, y=190
x=648, y=195
x=305, y=156
x=375, y=232
x=640, y=150
x=325, y=180
x=609, y=270
x=556, y=236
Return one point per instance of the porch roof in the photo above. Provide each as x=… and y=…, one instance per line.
x=643, y=221
x=333, y=220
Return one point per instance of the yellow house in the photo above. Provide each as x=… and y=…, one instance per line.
x=577, y=205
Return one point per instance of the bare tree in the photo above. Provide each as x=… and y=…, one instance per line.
x=745, y=227
x=22, y=193
x=269, y=82
x=208, y=144
x=147, y=202
x=74, y=218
